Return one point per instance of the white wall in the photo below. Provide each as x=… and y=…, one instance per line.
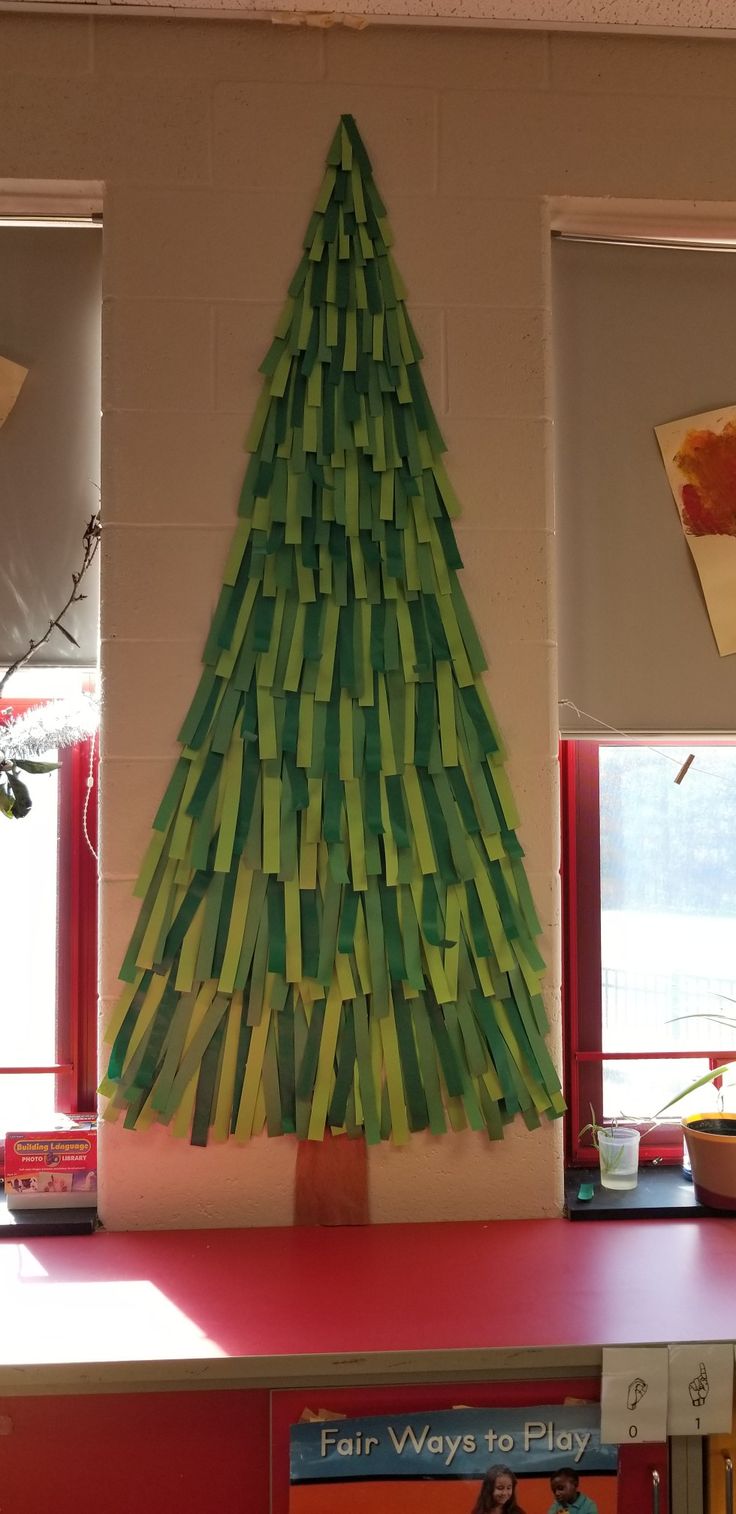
x=211, y=141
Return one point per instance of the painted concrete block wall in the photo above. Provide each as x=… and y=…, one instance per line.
x=210, y=140
x=711, y=17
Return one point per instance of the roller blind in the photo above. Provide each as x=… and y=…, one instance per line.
x=641, y=335
x=50, y=297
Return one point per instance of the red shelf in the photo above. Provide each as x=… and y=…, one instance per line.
x=259, y=1297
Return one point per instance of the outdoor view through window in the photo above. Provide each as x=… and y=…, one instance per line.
x=28, y=1032
x=668, y=920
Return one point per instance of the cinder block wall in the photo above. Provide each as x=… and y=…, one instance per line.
x=210, y=138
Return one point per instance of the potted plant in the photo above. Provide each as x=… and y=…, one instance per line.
x=710, y=1139
x=618, y=1152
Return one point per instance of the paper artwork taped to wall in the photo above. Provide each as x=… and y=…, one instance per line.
x=699, y=455
x=12, y=379
x=336, y=928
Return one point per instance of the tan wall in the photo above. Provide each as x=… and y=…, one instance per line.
x=211, y=139
x=685, y=17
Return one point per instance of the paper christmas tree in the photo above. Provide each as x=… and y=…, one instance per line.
x=336, y=927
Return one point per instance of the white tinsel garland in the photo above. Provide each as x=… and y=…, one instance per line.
x=60, y=723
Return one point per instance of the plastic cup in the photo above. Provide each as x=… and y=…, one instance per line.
x=618, y=1152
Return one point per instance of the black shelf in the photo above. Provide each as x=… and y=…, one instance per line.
x=662, y=1193
x=16, y=1224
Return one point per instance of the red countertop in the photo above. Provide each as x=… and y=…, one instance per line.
x=258, y=1297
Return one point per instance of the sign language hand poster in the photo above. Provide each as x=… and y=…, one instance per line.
x=700, y=1394
x=541, y=1460
x=634, y=1394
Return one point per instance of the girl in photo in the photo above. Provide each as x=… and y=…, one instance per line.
x=498, y=1493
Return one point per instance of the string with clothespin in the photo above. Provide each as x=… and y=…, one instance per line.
x=682, y=767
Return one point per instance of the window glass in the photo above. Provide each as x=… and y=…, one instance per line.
x=637, y=1090
x=668, y=917
x=27, y=1103
x=47, y=993
x=28, y=880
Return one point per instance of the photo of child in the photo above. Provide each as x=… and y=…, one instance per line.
x=498, y=1491
x=567, y=1494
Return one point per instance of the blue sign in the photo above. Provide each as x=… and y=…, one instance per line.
x=452, y=1443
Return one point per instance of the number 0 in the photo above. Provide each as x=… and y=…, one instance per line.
x=633, y=1432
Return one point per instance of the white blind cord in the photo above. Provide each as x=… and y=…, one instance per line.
x=88, y=795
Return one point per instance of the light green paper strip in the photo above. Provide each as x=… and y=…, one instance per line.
x=392, y=1063
x=190, y=951
x=226, y=1088
x=323, y=1079
x=238, y=917
x=355, y=832
x=252, y=1082
x=327, y=660
x=446, y=701
x=231, y=781
x=423, y=840
x=271, y=824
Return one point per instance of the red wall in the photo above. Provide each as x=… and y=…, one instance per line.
x=127, y=1453
x=288, y=1406
x=208, y=1452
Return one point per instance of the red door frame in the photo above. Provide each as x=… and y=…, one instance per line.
x=76, y=983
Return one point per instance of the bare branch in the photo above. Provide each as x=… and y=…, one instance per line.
x=91, y=542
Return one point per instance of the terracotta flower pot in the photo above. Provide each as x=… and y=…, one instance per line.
x=711, y=1143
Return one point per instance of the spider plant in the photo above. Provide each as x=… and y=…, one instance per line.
x=715, y=1072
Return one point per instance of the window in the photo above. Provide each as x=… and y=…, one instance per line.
x=48, y=880
x=50, y=307
x=649, y=879
x=649, y=866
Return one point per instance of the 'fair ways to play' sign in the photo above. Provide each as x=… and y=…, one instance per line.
x=456, y=1443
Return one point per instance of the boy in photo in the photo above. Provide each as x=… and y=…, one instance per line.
x=565, y=1485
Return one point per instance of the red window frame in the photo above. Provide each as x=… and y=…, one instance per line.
x=76, y=958
x=581, y=966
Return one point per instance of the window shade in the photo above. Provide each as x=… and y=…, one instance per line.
x=50, y=293
x=642, y=335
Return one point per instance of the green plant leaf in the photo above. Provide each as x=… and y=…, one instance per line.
x=706, y=1014
x=22, y=802
x=707, y=1077
x=66, y=633
x=593, y=1126
x=37, y=767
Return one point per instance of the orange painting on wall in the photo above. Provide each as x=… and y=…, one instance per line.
x=699, y=455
